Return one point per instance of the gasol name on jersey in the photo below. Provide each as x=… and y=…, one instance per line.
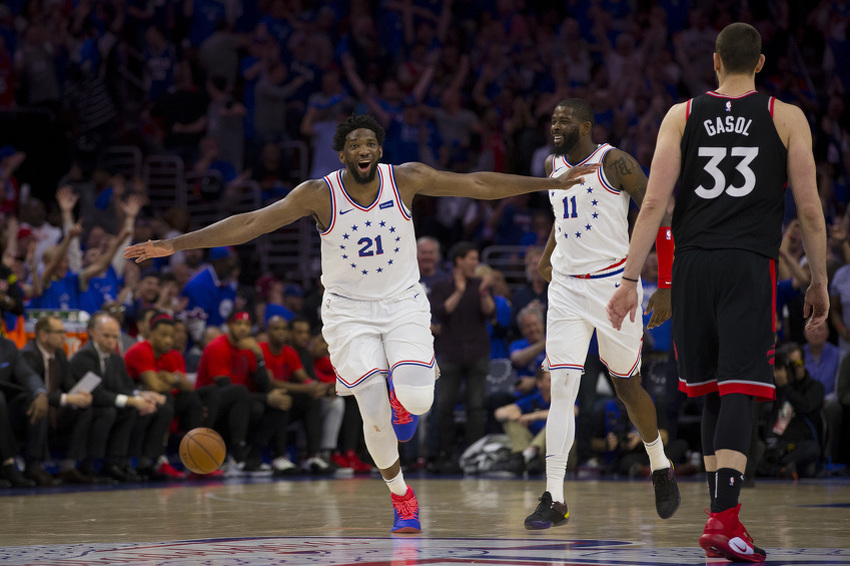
x=730, y=124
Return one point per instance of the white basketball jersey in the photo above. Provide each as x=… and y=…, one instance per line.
x=368, y=252
x=591, y=222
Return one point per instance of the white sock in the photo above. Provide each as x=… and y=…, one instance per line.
x=397, y=485
x=556, y=469
x=657, y=459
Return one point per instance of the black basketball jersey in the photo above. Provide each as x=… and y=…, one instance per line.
x=733, y=175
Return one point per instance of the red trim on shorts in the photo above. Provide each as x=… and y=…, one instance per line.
x=759, y=391
x=773, y=294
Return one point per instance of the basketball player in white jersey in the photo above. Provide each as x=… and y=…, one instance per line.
x=585, y=253
x=376, y=316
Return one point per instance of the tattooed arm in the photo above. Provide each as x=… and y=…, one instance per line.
x=625, y=173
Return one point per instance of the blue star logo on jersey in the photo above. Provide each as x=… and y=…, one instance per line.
x=368, y=223
x=578, y=234
x=354, y=228
x=382, y=224
x=587, y=227
x=594, y=202
x=345, y=236
x=589, y=190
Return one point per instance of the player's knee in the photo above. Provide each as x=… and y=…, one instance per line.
x=416, y=399
x=414, y=387
x=565, y=384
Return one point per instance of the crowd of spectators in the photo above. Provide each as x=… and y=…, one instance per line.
x=461, y=85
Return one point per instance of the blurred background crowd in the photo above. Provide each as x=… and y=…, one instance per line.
x=123, y=120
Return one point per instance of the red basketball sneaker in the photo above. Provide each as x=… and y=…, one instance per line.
x=405, y=513
x=724, y=535
x=404, y=423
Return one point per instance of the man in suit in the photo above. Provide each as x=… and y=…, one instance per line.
x=71, y=415
x=26, y=409
x=141, y=417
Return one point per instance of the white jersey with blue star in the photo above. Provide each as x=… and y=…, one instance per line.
x=368, y=252
x=591, y=222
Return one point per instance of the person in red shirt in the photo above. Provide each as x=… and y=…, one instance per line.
x=236, y=359
x=157, y=366
x=286, y=370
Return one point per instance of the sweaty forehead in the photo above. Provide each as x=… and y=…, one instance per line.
x=361, y=135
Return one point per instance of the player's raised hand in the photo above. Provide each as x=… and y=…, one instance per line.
x=573, y=176
x=147, y=250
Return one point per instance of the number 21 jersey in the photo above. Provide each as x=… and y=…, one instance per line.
x=368, y=252
x=733, y=175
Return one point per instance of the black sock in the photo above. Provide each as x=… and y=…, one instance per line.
x=729, y=483
x=712, y=487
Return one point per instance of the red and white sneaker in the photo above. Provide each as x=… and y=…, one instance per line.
x=725, y=536
x=406, y=513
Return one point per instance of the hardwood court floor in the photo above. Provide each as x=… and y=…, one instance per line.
x=465, y=521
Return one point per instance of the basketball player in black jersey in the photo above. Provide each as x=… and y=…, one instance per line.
x=732, y=150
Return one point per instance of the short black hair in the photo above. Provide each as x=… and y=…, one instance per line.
x=159, y=319
x=739, y=47
x=581, y=108
x=461, y=250
x=356, y=122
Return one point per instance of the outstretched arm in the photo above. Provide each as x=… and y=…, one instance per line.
x=304, y=200
x=482, y=185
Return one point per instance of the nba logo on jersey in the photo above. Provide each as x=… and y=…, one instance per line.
x=728, y=106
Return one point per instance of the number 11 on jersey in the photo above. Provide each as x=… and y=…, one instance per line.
x=570, y=207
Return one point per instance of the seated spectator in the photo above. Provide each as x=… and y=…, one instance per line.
x=533, y=292
x=617, y=441
x=235, y=359
x=529, y=352
x=211, y=293
x=25, y=412
x=794, y=428
x=156, y=366
x=524, y=421
x=141, y=418
x=144, y=297
x=291, y=305
x=822, y=362
x=71, y=416
x=285, y=366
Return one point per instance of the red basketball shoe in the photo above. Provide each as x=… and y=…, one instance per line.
x=724, y=535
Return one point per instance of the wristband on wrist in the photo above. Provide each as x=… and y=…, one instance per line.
x=664, y=249
x=629, y=279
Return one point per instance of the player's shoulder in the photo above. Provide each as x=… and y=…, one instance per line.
x=790, y=120
x=412, y=174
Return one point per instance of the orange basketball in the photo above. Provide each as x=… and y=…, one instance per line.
x=202, y=450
